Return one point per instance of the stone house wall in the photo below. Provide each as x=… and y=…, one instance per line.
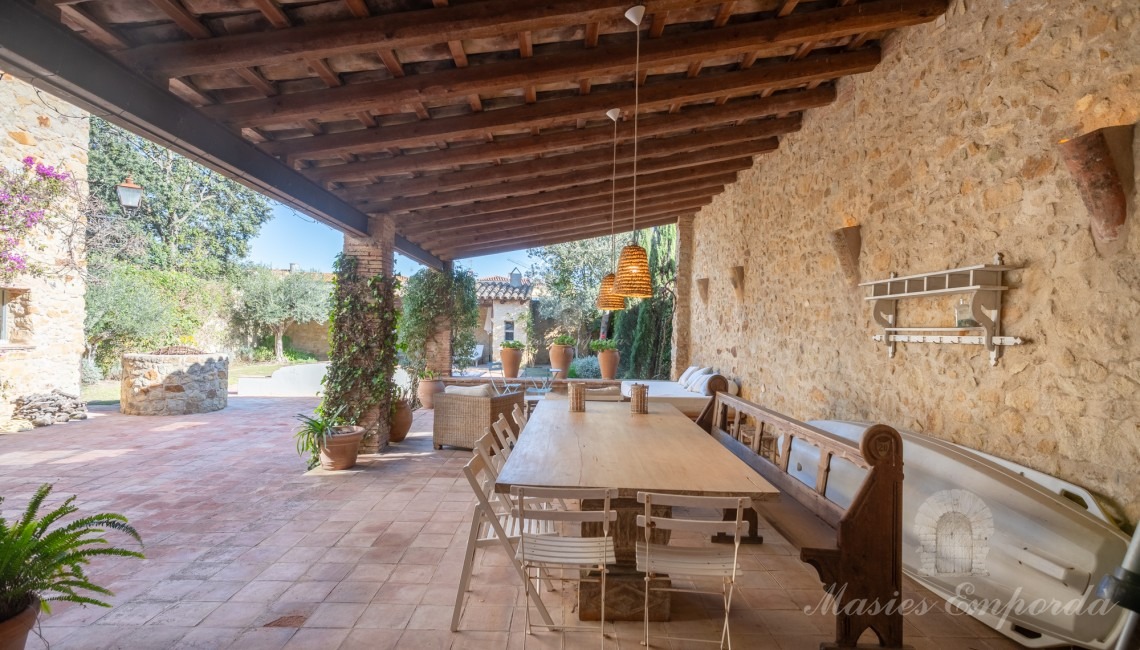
x=946, y=155
x=46, y=314
x=501, y=312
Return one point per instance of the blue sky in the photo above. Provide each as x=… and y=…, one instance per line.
x=293, y=237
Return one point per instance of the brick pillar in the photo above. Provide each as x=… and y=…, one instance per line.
x=682, y=309
x=438, y=350
x=375, y=253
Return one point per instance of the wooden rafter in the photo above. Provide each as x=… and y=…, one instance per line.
x=616, y=57
x=696, y=117
x=754, y=137
x=660, y=95
x=542, y=239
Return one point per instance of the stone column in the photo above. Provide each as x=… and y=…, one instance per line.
x=682, y=309
x=438, y=350
x=375, y=253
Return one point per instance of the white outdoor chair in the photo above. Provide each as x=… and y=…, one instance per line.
x=578, y=554
x=488, y=448
x=720, y=562
x=491, y=524
x=507, y=437
x=519, y=416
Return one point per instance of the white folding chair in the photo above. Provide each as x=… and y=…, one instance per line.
x=519, y=416
x=709, y=562
x=507, y=437
x=492, y=523
x=487, y=447
x=543, y=552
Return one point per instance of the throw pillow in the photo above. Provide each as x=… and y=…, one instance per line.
x=483, y=390
x=696, y=376
x=684, y=378
x=701, y=385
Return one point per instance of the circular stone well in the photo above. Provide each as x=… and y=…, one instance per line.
x=174, y=384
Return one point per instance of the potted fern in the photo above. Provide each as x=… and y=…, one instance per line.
x=608, y=356
x=42, y=560
x=327, y=442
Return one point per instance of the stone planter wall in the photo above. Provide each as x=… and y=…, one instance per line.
x=161, y=384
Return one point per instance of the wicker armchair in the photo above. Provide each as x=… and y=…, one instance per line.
x=461, y=419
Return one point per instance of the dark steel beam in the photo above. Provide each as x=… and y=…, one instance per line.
x=55, y=59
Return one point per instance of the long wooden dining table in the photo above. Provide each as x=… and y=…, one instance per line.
x=607, y=446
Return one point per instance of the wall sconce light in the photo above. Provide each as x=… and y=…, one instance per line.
x=736, y=279
x=703, y=289
x=1097, y=170
x=847, y=242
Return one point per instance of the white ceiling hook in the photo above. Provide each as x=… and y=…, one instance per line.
x=635, y=14
x=614, y=114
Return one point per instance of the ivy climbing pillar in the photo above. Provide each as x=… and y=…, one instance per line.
x=374, y=254
x=682, y=308
x=438, y=348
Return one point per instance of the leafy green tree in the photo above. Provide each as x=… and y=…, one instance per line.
x=269, y=302
x=192, y=218
x=571, y=273
x=431, y=297
x=644, y=329
x=125, y=307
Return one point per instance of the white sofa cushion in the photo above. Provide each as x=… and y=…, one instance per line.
x=484, y=390
x=695, y=377
x=688, y=373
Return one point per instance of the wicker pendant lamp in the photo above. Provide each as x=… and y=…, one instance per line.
x=607, y=299
x=633, y=278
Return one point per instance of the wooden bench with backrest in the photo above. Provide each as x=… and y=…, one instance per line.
x=840, y=504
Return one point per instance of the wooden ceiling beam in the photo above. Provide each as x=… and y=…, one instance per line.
x=425, y=27
x=596, y=223
x=540, y=239
x=693, y=117
x=645, y=206
x=556, y=199
x=428, y=227
x=740, y=153
x=755, y=134
x=657, y=95
x=615, y=57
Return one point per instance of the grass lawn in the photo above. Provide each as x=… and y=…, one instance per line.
x=107, y=391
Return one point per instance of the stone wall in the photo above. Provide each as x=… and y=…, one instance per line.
x=946, y=155
x=310, y=337
x=46, y=314
x=169, y=384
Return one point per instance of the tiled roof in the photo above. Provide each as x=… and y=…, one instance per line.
x=495, y=289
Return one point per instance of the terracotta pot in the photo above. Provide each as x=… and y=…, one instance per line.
x=560, y=356
x=339, y=450
x=512, y=358
x=401, y=422
x=608, y=362
x=14, y=631
x=426, y=392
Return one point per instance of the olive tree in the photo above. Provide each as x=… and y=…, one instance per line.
x=270, y=301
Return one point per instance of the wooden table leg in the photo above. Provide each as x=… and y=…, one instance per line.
x=753, y=537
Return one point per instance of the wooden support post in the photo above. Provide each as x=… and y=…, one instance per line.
x=1090, y=161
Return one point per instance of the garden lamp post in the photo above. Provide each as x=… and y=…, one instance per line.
x=130, y=194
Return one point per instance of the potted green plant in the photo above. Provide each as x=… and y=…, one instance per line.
x=511, y=353
x=562, y=352
x=429, y=385
x=42, y=560
x=608, y=356
x=327, y=442
x=401, y=422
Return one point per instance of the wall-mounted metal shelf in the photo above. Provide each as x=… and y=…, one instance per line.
x=984, y=283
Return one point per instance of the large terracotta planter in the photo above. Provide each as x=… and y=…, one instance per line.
x=339, y=450
x=560, y=357
x=426, y=392
x=608, y=362
x=14, y=631
x=512, y=359
x=401, y=422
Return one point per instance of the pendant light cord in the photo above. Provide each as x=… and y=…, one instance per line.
x=613, y=206
x=636, y=108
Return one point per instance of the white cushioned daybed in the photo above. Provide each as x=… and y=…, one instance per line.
x=690, y=393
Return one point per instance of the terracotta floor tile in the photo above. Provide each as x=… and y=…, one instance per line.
x=317, y=639
x=350, y=591
x=184, y=614
x=372, y=639
x=262, y=591
x=263, y=638
x=234, y=614
x=386, y=615
x=338, y=615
